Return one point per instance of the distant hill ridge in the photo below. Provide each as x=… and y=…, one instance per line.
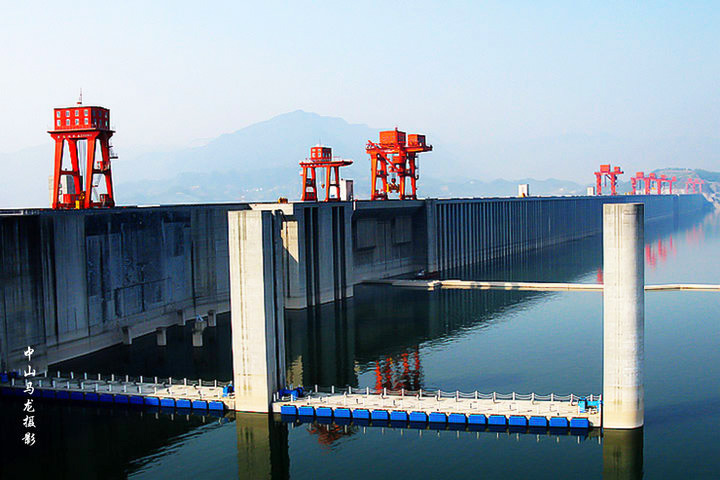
x=260, y=163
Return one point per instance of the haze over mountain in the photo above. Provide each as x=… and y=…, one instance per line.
x=260, y=163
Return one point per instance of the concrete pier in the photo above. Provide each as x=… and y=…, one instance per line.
x=257, y=318
x=161, y=336
x=623, y=316
x=127, y=335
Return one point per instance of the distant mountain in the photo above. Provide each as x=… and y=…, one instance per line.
x=260, y=163
x=711, y=188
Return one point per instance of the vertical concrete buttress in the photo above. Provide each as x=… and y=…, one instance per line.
x=623, y=315
x=432, y=235
x=257, y=308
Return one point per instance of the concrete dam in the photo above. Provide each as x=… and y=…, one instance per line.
x=74, y=282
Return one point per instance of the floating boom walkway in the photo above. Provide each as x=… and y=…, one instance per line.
x=451, y=408
x=133, y=391
x=537, y=286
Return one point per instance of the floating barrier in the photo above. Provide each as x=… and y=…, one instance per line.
x=456, y=410
x=434, y=420
x=87, y=389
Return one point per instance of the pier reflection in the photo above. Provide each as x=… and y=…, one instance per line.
x=262, y=447
x=623, y=454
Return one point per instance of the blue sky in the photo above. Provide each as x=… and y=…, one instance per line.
x=471, y=73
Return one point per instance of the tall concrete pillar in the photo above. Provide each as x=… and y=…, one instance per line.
x=623, y=315
x=161, y=336
x=257, y=308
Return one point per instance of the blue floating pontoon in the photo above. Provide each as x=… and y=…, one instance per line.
x=457, y=418
x=437, y=417
x=477, y=419
x=342, y=413
x=558, y=422
x=538, y=422
x=418, y=417
x=579, y=423
x=306, y=411
x=324, y=412
x=398, y=416
x=361, y=414
x=379, y=415
x=497, y=420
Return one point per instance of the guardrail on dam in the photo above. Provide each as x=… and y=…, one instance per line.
x=73, y=282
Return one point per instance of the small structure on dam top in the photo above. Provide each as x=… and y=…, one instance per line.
x=87, y=182
x=321, y=158
x=395, y=155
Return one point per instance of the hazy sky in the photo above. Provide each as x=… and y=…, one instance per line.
x=468, y=72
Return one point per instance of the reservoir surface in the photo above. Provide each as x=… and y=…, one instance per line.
x=466, y=340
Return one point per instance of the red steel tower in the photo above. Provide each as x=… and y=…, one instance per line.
x=640, y=180
x=79, y=125
x=398, y=158
x=693, y=184
x=606, y=172
x=670, y=181
x=321, y=157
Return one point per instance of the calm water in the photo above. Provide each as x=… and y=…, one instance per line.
x=467, y=340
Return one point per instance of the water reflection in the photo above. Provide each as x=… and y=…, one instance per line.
x=72, y=440
x=380, y=329
x=262, y=447
x=623, y=454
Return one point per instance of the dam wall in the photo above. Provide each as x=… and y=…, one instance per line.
x=73, y=282
x=469, y=231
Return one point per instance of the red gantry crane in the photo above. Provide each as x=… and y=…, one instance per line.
x=321, y=158
x=607, y=173
x=81, y=184
x=395, y=156
x=670, y=181
x=694, y=184
x=640, y=184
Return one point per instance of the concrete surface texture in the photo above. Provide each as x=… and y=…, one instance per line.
x=257, y=318
x=623, y=316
